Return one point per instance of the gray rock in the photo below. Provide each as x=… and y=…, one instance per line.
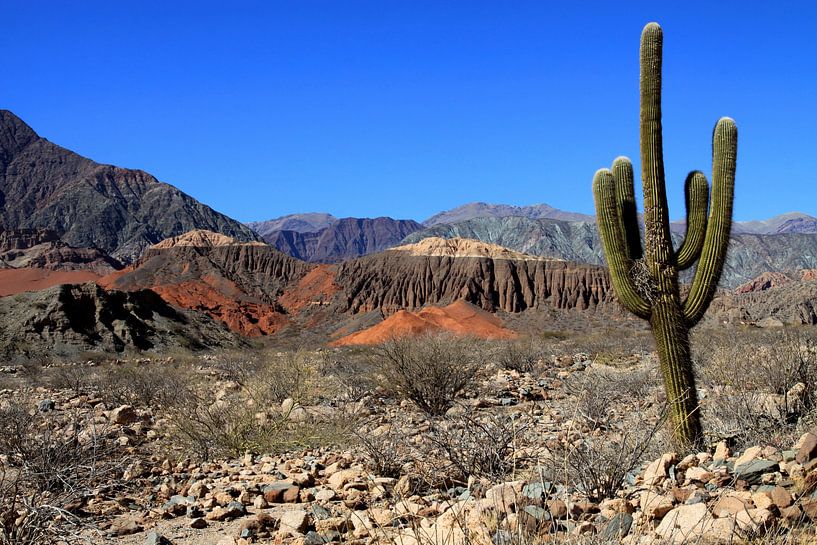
x=752, y=471
x=154, y=538
x=618, y=527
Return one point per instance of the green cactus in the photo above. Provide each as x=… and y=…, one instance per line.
x=648, y=286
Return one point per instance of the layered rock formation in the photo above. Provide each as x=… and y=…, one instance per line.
x=407, y=279
x=238, y=283
x=43, y=249
x=88, y=205
x=459, y=318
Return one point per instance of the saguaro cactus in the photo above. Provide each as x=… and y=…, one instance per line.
x=646, y=282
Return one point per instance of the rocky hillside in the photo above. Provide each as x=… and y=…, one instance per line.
x=42, y=249
x=770, y=300
x=88, y=205
x=235, y=282
x=749, y=254
x=413, y=276
x=70, y=318
x=309, y=222
x=485, y=210
x=346, y=238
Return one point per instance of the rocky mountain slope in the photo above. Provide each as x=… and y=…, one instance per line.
x=309, y=222
x=792, y=303
x=344, y=239
x=67, y=319
x=88, y=205
x=749, y=254
x=485, y=210
x=236, y=282
x=791, y=222
x=43, y=249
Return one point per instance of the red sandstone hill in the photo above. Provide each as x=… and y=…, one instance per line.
x=460, y=318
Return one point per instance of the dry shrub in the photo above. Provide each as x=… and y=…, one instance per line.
x=431, y=370
x=596, y=392
x=48, y=468
x=521, y=355
x=760, y=387
x=273, y=376
x=249, y=416
x=607, y=439
x=478, y=445
x=384, y=448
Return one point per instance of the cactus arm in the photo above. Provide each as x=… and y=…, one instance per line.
x=625, y=197
x=615, y=249
x=713, y=255
x=657, y=242
x=696, y=189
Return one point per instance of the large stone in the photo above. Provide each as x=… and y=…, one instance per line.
x=729, y=505
x=685, y=524
x=281, y=493
x=124, y=415
x=230, y=511
x=654, y=505
x=781, y=497
x=295, y=521
x=808, y=448
x=618, y=527
x=154, y=538
x=753, y=471
x=506, y=497
x=657, y=472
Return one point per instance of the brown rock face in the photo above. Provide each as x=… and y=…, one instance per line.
x=236, y=283
x=42, y=249
x=397, y=279
x=256, y=290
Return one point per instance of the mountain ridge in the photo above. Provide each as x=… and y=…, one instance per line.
x=92, y=205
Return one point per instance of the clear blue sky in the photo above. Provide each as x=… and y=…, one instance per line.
x=405, y=108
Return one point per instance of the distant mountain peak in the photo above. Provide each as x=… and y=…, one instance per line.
x=15, y=134
x=478, y=209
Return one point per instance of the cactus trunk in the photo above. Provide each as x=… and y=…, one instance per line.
x=649, y=287
x=672, y=341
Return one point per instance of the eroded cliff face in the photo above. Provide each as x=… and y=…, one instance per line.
x=256, y=270
x=403, y=279
x=233, y=282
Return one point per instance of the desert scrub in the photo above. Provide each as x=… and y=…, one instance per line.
x=478, y=444
x=521, y=355
x=49, y=467
x=431, y=370
x=256, y=402
x=760, y=389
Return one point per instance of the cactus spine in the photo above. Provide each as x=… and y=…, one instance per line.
x=648, y=286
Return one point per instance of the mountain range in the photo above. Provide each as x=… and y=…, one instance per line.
x=95, y=255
